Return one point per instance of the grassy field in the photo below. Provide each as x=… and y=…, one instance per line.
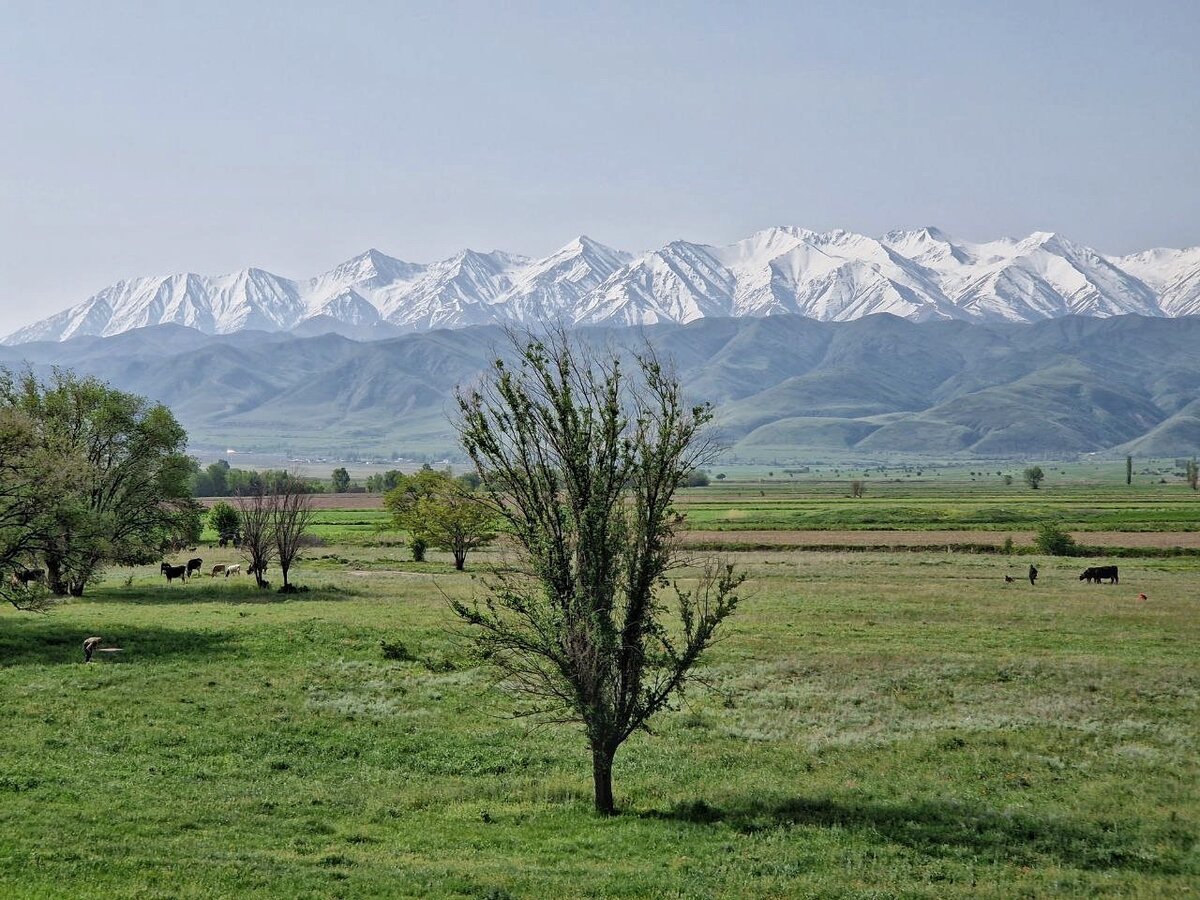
x=954, y=503
x=875, y=725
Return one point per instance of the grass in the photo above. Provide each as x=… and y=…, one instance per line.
x=876, y=724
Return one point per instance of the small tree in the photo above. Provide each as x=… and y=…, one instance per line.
x=1034, y=476
x=223, y=518
x=697, y=479
x=1008, y=479
x=1129, y=470
x=341, y=480
x=450, y=517
x=291, y=514
x=1053, y=541
x=857, y=489
x=582, y=463
x=1192, y=473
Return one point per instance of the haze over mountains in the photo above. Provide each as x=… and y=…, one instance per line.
x=920, y=275
x=787, y=387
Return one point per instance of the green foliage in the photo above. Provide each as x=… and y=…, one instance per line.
x=223, y=518
x=1034, y=476
x=379, y=482
x=341, y=480
x=438, y=510
x=418, y=545
x=126, y=493
x=697, y=478
x=582, y=463
x=1053, y=541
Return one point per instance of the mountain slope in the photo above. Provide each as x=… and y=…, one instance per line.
x=871, y=387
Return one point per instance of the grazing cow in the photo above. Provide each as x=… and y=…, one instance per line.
x=193, y=565
x=217, y=570
x=260, y=573
x=232, y=570
x=1109, y=572
x=1089, y=575
x=173, y=572
x=1033, y=573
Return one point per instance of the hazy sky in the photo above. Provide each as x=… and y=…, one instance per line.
x=207, y=136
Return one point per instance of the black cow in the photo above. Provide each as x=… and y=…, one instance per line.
x=1095, y=574
x=193, y=565
x=173, y=572
x=1033, y=573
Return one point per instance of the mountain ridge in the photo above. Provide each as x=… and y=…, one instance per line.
x=919, y=274
x=872, y=388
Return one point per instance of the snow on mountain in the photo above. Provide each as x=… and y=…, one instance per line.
x=1173, y=274
x=918, y=274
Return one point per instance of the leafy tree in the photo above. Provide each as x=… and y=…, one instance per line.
x=720, y=476
x=1053, y=541
x=697, y=479
x=440, y=511
x=1192, y=473
x=857, y=489
x=30, y=480
x=1034, y=476
x=1008, y=479
x=223, y=518
x=130, y=482
x=452, y=518
x=589, y=460
x=341, y=480
x=418, y=547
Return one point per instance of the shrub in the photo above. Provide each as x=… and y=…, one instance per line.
x=697, y=479
x=418, y=547
x=1053, y=541
x=395, y=650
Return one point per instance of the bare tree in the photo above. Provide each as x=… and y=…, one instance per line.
x=258, y=531
x=582, y=462
x=291, y=514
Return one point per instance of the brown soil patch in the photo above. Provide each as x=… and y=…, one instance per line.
x=932, y=538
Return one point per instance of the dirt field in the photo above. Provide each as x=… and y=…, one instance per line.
x=932, y=538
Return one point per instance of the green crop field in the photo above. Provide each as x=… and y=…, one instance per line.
x=875, y=725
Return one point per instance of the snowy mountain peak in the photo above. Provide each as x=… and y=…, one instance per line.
x=836, y=275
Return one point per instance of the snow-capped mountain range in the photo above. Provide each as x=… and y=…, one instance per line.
x=920, y=274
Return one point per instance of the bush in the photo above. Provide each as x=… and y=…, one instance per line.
x=697, y=479
x=223, y=518
x=1053, y=541
x=395, y=650
x=1033, y=476
x=418, y=547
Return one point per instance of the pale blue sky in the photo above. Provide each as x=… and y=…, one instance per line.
x=150, y=138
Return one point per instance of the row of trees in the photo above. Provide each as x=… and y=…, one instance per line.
x=219, y=479
x=89, y=476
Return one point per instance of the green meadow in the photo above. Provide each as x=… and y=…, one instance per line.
x=874, y=725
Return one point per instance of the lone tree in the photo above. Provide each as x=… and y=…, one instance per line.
x=291, y=514
x=440, y=511
x=582, y=462
x=223, y=518
x=1034, y=476
x=1129, y=470
x=341, y=480
x=1192, y=473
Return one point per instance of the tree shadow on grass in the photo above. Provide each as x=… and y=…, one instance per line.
x=245, y=593
x=50, y=642
x=946, y=829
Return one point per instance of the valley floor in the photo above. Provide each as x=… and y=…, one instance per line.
x=876, y=724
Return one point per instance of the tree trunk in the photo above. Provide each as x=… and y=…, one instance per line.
x=460, y=559
x=54, y=576
x=602, y=761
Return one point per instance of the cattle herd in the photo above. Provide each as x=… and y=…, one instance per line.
x=193, y=566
